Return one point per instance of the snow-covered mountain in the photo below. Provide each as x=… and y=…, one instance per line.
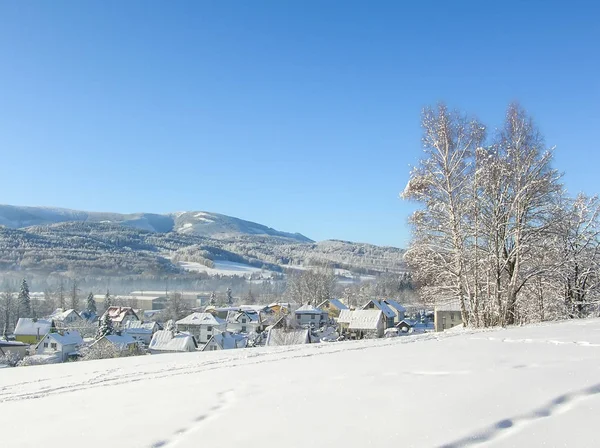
x=52, y=240
x=212, y=225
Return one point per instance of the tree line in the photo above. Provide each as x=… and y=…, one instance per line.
x=497, y=231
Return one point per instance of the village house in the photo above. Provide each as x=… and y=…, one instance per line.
x=308, y=315
x=66, y=318
x=165, y=341
x=202, y=326
x=332, y=307
x=287, y=336
x=398, y=309
x=123, y=344
x=282, y=307
x=244, y=321
x=31, y=331
x=225, y=341
x=141, y=331
x=405, y=326
x=358, y=324
x=447, y=316
x=389, y=314
x=221, y=312
x=63, y=345
x=120, y=315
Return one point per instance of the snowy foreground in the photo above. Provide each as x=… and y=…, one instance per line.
x=531, y=386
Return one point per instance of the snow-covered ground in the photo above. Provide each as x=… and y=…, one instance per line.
x=531, y=386
x=229, y=268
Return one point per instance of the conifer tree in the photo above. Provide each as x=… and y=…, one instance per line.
x=24, y=300
x=107, y=300
x=105, y=327
x=91, y=304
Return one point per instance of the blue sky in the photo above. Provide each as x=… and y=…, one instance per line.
x=301, y=115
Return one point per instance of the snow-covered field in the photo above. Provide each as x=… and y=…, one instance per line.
x=229, y=268
x=531, y=386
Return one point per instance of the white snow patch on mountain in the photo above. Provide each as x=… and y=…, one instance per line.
x=513, y=387
x=228, y=268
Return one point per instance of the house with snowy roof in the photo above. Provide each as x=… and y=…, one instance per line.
x=32, y=331
x=201, y=325
x=244, y=321
x=166, y=341
x=287, y=336
x=398, y=309
x=120, y=315
x=405, y=326
x=390, y=315
x=62, y=345
x=362, y=323
x=332, y=307
x=447, y=315
x=282, y=307
x=141, y=331
x=308, y=315
x=123, y=344
x=63, y=318
x=225, y=341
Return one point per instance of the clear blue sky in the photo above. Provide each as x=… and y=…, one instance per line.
x=301, y=115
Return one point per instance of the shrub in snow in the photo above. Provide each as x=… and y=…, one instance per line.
x=10, y=359
x=101, y=351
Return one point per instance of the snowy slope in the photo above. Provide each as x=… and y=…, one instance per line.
x=534, y=386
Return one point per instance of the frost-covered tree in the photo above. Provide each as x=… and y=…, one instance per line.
x=578, y=268
x=24, y=300
x=229, y=297
x=8, y=310
x=487, y=217
x=213, y=298
x=91, y=304
x=105, y=327
x=442, y=184
x=108, y=300
x=311, y=286
x=177, y=307
x=60, y=293
x=74, y=297
x=249, y=298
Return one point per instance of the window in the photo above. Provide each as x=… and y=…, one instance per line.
x=45, y=345
x=312, y=317
x=243, y=321
x=243, y=328
x=53, y=345
x=209, y=328
x=298, y=316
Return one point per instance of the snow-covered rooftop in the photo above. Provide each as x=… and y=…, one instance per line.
x=165, y=340
x=380, y=305
x=121, y=341
x=308, y=309
x=27, y=326
x=395, y=305
x=61, y=315
x=281, y=337
x=67, y=338
x=139, y=327
x=201, y=319
x=364, y=319
x=227, y=340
